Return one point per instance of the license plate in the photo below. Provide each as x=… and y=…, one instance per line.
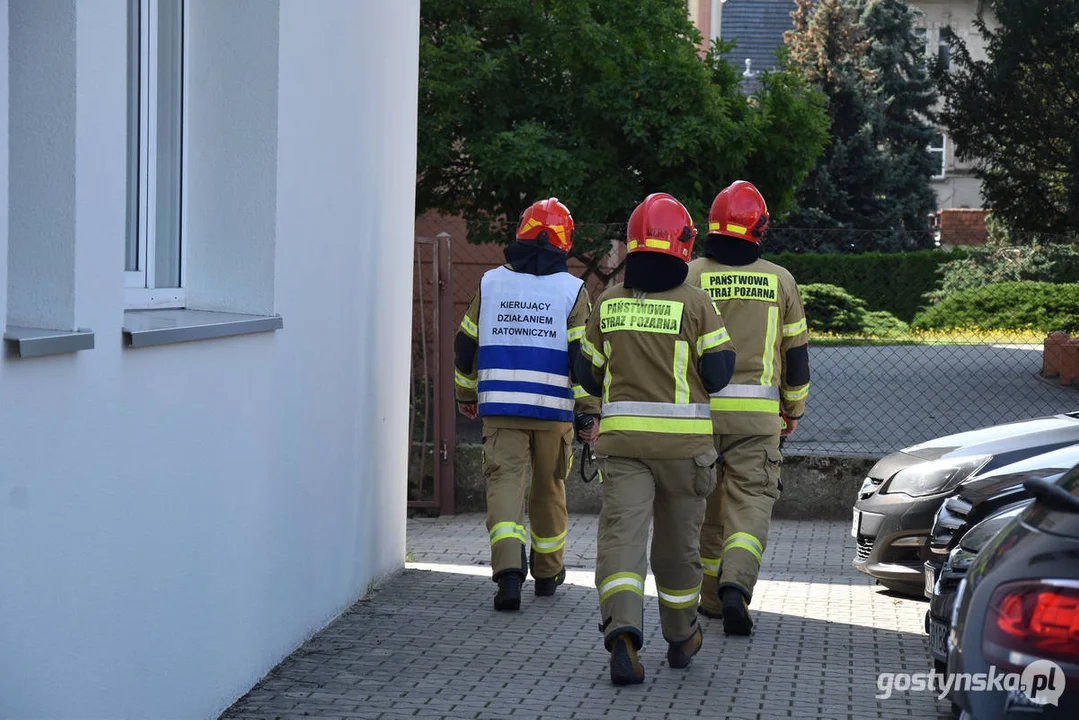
x=930, y=581
x=854, y=525
x=938, y=639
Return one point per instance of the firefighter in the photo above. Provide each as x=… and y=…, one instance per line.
x=513, y=358
x=762, y=310
x=654, y=349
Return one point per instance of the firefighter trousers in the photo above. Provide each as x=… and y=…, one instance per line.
x=508, y=455
x=735, y=530
x=673, y=493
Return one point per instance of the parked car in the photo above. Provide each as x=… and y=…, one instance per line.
x=903, y=491
x=1018, y=605
x=938, y=618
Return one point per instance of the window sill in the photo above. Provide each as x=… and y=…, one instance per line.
x=144, y=328
x=34, y=342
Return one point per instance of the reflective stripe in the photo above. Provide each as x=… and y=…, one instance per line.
x=731, y=227
x=744, y=541
x=575, y=333
x=681, y=426
x=681, y=365
x=748, y=391
x=796, y=394
x=470, y=328
x=505, y=530
x=619, y=582
x=744, y=405
x=678, y=599
x=592, y=353
x=655, y=409
x=533, y=376
x=463, y=380
x=651, y=243
x=711, y=566
x=770, y=346
x=712, y=339
x=548, y=545
x=579, y=392
x=795, y=328
x=521, y=398
x=607, y=373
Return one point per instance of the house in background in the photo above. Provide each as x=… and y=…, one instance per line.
x=758, y=26
x=204, y=291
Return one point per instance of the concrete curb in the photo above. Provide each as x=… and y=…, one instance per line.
x=814, y=487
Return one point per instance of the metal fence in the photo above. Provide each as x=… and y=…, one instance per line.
x=870, y=395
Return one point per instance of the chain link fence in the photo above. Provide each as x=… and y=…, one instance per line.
x=895, y=359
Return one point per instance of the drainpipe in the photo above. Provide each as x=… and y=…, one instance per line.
x=717, y=20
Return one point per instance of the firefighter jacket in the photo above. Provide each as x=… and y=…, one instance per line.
x=763, y=313
x=515, y=348
x=645, y=352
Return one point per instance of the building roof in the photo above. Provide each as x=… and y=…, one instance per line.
x=757, y=26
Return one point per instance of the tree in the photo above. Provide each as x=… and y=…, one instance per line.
x=875, y=173
x=1016, y=113
x=597, y=102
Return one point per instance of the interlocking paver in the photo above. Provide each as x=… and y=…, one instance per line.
x=427, y=643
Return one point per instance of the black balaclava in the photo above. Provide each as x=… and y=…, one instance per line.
x=654, y=272
x=536, y=257
x=731, y=250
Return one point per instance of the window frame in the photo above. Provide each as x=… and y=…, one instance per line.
x=942, y=149
x=140, y=292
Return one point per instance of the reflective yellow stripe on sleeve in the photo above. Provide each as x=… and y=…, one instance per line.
x=579, y=392
x=575, y=333
x=469, y=328
x=595, y=356
x=796, y=393
x=795, y=328
x=711, y=566
x=462, y=380
x=712, y=339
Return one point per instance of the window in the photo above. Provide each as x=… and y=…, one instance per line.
x=944, y=48
x=922, y=35
x=938, y=147
x=153, y=265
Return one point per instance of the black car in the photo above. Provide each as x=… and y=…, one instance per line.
x=1016, y=616
x=938, y=617
x=901, y=495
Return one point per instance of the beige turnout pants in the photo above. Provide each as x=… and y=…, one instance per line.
x=674, y=492
x=507, y=456
x=735, y=530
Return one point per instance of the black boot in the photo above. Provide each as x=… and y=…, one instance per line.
x=545, y=587
x=626, y=668
x=508, y=596
x=679, y=654
x=736, y=620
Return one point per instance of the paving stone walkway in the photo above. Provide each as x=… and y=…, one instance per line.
x=428, y=644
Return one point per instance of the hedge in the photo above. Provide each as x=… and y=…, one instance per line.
x=894, y=282
x=1006, y=306
x=832, y=309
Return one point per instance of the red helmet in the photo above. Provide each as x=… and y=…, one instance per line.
x=551, y=217
x=661, y=224
x=739, y=211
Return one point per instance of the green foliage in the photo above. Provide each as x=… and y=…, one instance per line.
x=1006, y=306
x=875, y=173
x=830, y=308
x=599, y=104
x=1015, y=113
x=894, y=282
x=1001, y=260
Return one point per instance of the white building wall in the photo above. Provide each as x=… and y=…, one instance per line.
x=175, y=520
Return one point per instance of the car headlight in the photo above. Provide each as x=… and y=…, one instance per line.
x=933, y=477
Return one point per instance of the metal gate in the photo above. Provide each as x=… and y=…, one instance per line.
x=432, y=432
